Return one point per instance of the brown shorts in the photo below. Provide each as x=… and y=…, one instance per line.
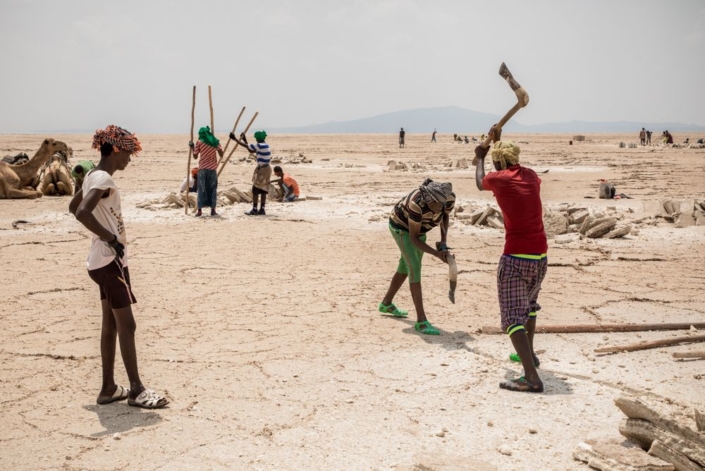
x=114, y=285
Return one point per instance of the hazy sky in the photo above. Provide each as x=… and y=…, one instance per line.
x=80, y=65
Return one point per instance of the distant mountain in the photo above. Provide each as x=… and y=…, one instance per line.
x=452, y=119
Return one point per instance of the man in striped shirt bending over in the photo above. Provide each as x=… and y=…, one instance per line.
x=207, y=147
x=411, y=219
x=262, y=175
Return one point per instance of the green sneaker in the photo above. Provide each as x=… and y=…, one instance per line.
x=392, y=309
x=425, y=327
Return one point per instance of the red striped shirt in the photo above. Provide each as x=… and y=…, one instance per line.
x=208, y=155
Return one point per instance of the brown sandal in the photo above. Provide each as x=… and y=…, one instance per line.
x=521, y=385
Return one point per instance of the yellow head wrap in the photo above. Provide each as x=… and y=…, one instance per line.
x=506, y=153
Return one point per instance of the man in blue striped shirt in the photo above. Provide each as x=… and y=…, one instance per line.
x=263, y=172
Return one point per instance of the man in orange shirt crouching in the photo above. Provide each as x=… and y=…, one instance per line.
x=287, y=184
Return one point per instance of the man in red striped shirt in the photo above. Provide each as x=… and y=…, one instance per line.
x=207, y=147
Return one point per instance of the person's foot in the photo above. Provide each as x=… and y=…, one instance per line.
x=261, y=211
x=147, y=399
x=118, y=393
x=425, y=327
x=252, y=212
x=213, y=213
x=199, y=213
x=522, y=385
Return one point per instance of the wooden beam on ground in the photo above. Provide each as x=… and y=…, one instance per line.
x=689, y=354
x=601, y=328
x=647, y=345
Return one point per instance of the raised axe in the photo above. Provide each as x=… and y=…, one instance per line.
x=522, y=101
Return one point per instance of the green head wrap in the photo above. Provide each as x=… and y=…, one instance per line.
x=260, y=136
x=506, y=153
x=206, y=136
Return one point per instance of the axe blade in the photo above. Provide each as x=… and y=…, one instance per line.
x=522, y=96
x=522, y=101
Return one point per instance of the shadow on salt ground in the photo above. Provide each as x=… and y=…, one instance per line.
x=552, y=385
x=119, y=417
x=449, y=340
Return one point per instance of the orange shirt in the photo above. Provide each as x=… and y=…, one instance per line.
x=290, y=182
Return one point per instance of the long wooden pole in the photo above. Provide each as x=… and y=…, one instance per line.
x=234, y=128
x=188, y=164
x=236, y=144
x=599, y=328
x=647, y=345
x=210, y=103
x=689, y=354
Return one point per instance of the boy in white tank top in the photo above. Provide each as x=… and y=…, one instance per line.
x=97, y=207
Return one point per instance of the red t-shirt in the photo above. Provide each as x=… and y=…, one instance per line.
x=518, y=193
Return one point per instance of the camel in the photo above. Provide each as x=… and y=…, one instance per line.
x=18, y=159
x=56, y=176
x=16, y=180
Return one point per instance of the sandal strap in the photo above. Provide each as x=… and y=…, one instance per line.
x=149, y=398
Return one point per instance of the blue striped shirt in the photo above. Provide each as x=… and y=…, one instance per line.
x=264, y=155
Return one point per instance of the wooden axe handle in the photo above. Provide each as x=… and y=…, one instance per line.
x=522, y=101
x=190, y=151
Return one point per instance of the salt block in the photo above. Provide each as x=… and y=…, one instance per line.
x=489, y=211
x=495, y=222
x=685, y=220
x=700, y=218
x=617, y=232
x=654, y=208
x=613, y=455
x=476, y=215
x=554, y=223
x=566, y=238
x=578, y=217
x=603, y=227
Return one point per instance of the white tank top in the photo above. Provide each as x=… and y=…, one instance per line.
x=109, y=214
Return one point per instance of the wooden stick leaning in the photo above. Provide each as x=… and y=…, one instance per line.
x=188, y=163
x=210, y=103
x=600, y=328
x=228, y=143
x=647, y=345
x=225, y=162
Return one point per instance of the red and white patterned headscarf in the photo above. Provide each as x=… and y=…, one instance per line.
x=120, y=138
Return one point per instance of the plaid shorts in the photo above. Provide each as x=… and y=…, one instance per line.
x=518, y=285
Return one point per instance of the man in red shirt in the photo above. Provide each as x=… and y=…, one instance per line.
x=523, y=264
x=207, y=147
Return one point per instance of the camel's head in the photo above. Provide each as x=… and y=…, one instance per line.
x=52, y=146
